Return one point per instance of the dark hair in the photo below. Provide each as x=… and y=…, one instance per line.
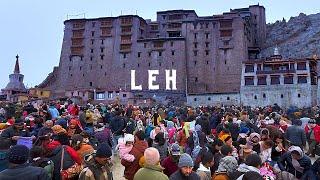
x=159, y=138
x=140, y=135
x=253, y=160
x=207, y=157
x=5, y=144
x=269, y=143
x=225, y=150
x=36, y=151
x=251, y=175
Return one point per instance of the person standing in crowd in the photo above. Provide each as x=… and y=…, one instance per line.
x=161, y=145
x=37, y=159
x=313, y=136
x=18, y=156
x=130, y=168
x=4, y=148
x=117, y=126
x=185, y=169
x=152, y=168
x=46, y=129
x=295, y=162
x=98, y=165
x=170, y=163
x=206, y=163
x=252, y=164
x=80, y=146
x=296, y=135
x=53, y=111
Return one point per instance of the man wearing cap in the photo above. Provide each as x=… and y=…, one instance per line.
x=14, y=132
x=170, y=163
x=98, y=165
x=151, y=169
x=313, y=136
x=18, y=156
x=185, y=169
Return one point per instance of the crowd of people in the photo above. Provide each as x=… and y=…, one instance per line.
x=62, y=140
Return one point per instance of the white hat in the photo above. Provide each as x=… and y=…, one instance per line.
x=128, y=138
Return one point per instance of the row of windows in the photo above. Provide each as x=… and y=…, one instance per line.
x=206, y=34
x=262, y=80
x=300, y=66
x=281, y=96
x=209, y=99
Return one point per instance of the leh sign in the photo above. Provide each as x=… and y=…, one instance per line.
x=152, y=78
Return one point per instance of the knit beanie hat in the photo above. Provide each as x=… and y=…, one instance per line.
x=228, y=164
x=18, y=154
x=185, y=161
x=104, y=150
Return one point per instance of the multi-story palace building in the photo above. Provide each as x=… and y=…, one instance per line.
x=207, y=53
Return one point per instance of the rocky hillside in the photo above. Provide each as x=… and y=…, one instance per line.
x=297, y=38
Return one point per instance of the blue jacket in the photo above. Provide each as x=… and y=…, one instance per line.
x=54, y=112
x=4, y=163
x=117, y=124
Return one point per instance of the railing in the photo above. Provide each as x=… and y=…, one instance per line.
x=275, y=71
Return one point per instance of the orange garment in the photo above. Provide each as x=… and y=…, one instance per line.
x=84, y=150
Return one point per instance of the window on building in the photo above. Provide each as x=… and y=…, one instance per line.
x=196, y=79
x=101, y=57
x=101, y=67
x=275, y=80
x=69, y=68
x=124, y=55
x=159, y=64
x=139, y=54
x=262, y=80
x=301, y=66
x=100, y=96
x=91, y=58
x=138, y=65
x=149, y=54
x=174, y=34
x=207, y=52
x=172, y=63
x=195, y=35
x=195, y=62
x=160, y=53
x=228, y=98
x=171, y=43
x=207, y=25
x=149, y=64
x=101, y=50
x=194, y=99
x=207, y=35
x=255, y=97
x=195, y=45
x=145, y=45
x=288, y=79
x=209, y=98
x=302, y=79
x=172, y=53
x=92, y=33
x=110, y=94
x=226, y=43
x=124, y=65
x=90, y=83
x=249, y=80
x=226, y=24
x=82, y=75
x=264, y=95
x=102, y=41
x=91, y=50
x=258, y=67
x=195, y=53
x=71, y=75
x=292, y=66
x=299, y=95
x=207, y=44
x=124, y=95
x=225, y=33
x=207, y=62
x=249, y=68
x=281, y=96
x=80, y=68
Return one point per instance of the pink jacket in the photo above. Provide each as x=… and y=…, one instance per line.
x=124, y=151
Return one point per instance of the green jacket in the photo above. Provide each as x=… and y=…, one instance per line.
x=150, y=172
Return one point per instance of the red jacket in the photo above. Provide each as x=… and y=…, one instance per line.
x=132, y=167
x=316, y=131
x=169, y=166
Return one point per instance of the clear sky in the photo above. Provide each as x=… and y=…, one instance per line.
x=34, y=28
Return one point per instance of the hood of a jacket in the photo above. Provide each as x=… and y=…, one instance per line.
x=203, y=168
x=245, y=168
